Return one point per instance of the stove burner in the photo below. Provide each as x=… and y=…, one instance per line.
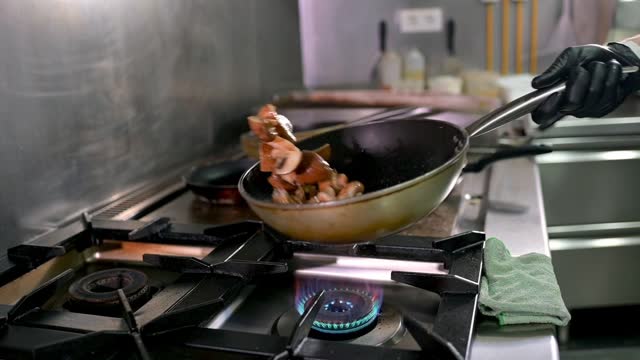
x=97, y=293
x=388, y=330
x=345, y=311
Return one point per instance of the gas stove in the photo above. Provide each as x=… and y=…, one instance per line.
x=253, y=294
x=159, y=289
x=161, y=274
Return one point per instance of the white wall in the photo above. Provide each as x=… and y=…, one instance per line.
x=339, y=38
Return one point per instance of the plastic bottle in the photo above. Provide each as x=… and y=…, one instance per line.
x=414, y=70
x=390, y=70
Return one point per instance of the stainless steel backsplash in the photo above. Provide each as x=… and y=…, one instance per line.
x=99, y=96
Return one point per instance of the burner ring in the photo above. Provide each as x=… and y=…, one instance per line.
x=98, y=292
x=389, y=329
x=345, y=311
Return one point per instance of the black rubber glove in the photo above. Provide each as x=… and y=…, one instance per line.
x=595, y=82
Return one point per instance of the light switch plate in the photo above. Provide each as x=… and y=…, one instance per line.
x=420, y=20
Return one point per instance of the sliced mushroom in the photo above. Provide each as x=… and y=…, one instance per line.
x=352, y=189
x=330, y=192
x=339, y=181
x=283, y=144
x=281, y=125
x=313, y=169
x=286, y=155
x=325, y=193
x=286, y=161
x=277, y=182
x=325, y=186
x=267, y=161
x=336, y=182
x=290, y=178
x=310, y=190
x=297, y=176
x=262, y=129
x=281, y=196
x=324, y=197
x=267, y=111
x=324, y=151
x=284, y=128
x=299, y=195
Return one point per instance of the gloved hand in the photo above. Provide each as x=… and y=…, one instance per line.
x=595, y=82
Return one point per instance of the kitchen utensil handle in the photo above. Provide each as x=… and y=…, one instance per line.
x=520, y=107
x=451, y=33
x=378, y=116
x=382, y=36
x=507, y=153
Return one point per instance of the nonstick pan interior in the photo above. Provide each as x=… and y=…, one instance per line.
x=380, y=155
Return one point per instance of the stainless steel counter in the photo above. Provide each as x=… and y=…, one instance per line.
x=514, y=213
x=515, y=182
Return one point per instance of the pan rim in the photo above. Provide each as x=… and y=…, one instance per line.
x=366, y=196
x=188, y=178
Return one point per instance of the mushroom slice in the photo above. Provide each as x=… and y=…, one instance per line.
x=279, y=183
x=286, y=161
x=339, y=181
x=267, y=111
x=352, y=189
x=280, y=123
x=281, y=143
x=299, y=196
x=324, y=151
x=262, y=129
x=284, y=128
x=281, y=196
x=287, y=156
x=329, y=191
x=290, y=178
x=267, y=161
x=324, y=197
x=325, y=186
x=279, y=156
x=310, y=190
x=313, y=169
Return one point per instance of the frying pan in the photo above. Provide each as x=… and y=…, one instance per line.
x=408, y=167
x=218, y=182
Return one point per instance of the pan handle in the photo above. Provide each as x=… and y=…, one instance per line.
x=506, y=153
x=519, y=107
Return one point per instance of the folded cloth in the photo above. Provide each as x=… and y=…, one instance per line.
x=520, y=290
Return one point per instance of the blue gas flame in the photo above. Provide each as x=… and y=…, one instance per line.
x=306, y=289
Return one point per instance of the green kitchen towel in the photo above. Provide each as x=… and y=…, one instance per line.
x=520, y=290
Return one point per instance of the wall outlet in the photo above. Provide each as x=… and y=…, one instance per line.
x=420, y=20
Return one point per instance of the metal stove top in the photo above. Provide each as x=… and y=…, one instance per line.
x=232, y=289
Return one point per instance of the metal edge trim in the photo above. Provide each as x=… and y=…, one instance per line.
x=583, y=244
x=557, y=157
x=592, y=122
x=585, y=229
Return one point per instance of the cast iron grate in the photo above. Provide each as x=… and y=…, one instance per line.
x=244, y=252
